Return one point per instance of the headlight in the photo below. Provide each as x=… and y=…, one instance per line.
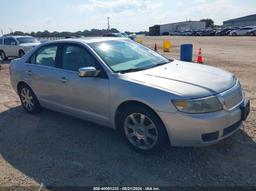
x=196, y=106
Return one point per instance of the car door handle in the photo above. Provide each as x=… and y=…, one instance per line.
x=64, y=80
x=29, y=73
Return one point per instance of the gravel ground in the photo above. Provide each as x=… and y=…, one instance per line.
x=58, y=150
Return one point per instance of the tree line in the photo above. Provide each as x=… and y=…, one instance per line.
x=46, y=33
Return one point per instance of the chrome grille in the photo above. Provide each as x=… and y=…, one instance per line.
x=232, y=97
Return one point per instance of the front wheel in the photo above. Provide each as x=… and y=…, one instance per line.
x=29, y=100
x=143, y=129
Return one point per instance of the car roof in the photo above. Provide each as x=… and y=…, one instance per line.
x=87, y=40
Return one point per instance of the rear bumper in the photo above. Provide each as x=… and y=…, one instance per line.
x=202, y=129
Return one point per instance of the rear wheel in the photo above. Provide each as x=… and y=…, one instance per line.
x=2, y=55
x=143, y=129
x=29, y=100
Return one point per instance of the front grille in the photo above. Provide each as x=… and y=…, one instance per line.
x=233, y=97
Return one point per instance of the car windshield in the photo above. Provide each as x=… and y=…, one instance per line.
x=127, y=56
x=24, y=40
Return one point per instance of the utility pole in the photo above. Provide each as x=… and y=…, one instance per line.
x=108, y=23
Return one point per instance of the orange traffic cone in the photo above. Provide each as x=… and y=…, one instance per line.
x=155, y=47
x=200, y=58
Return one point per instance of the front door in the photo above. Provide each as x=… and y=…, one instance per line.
x=86, y=97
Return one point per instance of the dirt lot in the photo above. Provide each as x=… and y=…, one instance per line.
x=59, y=150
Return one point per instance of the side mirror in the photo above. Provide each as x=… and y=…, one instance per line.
x=88, y=72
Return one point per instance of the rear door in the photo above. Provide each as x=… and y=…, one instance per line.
x=41, y=74
x=86, y=97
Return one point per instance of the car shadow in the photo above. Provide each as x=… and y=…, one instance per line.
x=58, y=150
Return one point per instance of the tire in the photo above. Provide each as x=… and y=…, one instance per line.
x=3, y=56
x=143, y=129
x=29, y=100
x=21, y=53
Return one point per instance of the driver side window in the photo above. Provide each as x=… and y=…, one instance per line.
x=75, y=57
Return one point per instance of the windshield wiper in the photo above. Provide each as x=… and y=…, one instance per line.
x=131, y=70
x=144, y=68
x=161, y=63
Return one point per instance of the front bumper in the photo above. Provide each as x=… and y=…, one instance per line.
x=203, y=129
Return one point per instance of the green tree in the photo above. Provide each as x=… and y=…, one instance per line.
x=209, y=23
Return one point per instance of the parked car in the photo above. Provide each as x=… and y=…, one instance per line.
x=165, y=34
x=252, y=32
x=132, y=36
x=151, y=100
x=185, y=33
x=176, y=33
x=224, y=32
x=197, y=33
x=240, y=32
x=16, y=46
x=208, y=32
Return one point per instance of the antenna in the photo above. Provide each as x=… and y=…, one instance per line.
x=108, y=23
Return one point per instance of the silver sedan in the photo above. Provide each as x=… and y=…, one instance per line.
x=115, y=82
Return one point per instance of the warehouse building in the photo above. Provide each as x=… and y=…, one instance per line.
x=241, y=22
x=154, y=30
x=177, y=27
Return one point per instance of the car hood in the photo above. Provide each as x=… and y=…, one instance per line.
x=185, y=79
x=30, y=44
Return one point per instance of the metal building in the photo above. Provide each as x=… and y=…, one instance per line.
x=154, y=30
x=177, y=27
x=241, y=22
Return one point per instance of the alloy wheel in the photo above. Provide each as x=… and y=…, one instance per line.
x=27, y=99
x=140, y=131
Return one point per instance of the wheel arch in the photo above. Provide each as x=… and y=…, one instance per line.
x=21, y=50
x=22, y=83
x=131, y=103
x=2, y=50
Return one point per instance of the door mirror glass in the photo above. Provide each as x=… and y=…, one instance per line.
x=88, y=72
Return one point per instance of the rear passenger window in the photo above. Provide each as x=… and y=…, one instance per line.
x=46, y=56
x=75, y=57
x=9, y=41
x=1, y=41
